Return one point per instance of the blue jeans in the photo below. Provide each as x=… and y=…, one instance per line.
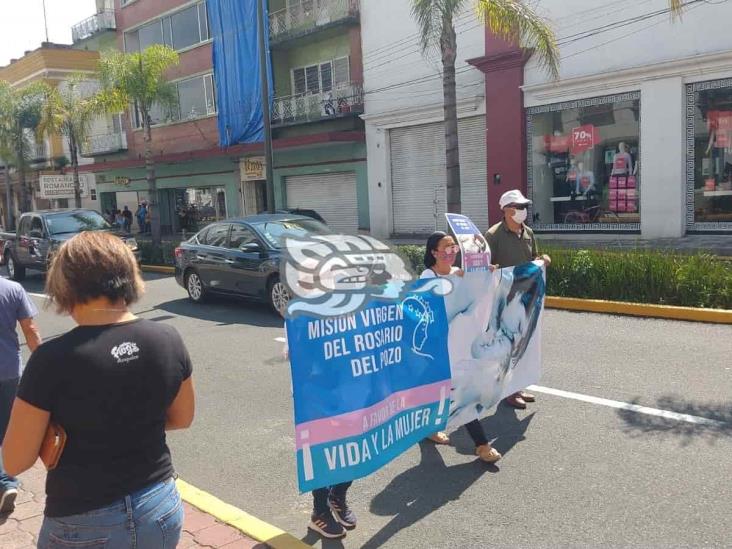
x=151, y=518
x=8, y=388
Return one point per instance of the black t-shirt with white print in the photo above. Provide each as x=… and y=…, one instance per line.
x=109, y=387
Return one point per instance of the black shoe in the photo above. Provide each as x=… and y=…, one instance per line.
x=326, y=525
x=342, y=512
x=7, y=500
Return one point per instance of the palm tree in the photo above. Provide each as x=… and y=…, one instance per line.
x=510, y=19
x=20, y=116
x=138, y=80
x=69, y=111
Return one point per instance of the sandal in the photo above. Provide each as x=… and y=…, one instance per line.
x=487, y=453
x=439, y=438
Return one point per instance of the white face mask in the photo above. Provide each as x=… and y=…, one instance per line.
x=520, y=216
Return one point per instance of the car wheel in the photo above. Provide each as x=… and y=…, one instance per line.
x=194, y=286
x=279, y=295
x=15, y=271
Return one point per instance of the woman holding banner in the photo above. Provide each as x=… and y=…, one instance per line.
x=439, y=260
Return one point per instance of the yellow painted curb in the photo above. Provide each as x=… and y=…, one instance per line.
x=236, y=518
x=692, y=314
x=158, y=269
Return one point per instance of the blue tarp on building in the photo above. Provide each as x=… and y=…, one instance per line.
x=233, y=26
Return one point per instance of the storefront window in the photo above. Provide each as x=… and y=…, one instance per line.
x=712, y=152
x=197, y=207
x=584, y=164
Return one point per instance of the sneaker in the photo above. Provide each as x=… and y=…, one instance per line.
x=326, y=525
x=342, y=512
x=7, y=500
x=488, y=453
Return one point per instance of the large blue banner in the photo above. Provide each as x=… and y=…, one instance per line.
x=236, y=66
x=379, y=364
x=367, y=386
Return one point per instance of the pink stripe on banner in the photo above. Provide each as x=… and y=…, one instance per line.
x=352, y=423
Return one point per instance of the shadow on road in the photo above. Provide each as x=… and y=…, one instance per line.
x=224, y=311
x=311, y=538
x=719, y=418
x=418, y=492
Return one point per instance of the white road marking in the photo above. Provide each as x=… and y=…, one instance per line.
x=697, y=420
x=280, y=340
x=42, y=296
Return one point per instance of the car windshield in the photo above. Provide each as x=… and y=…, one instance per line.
x=76, y=222
x=276, y=231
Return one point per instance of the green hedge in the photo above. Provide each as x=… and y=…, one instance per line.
x=637, y=276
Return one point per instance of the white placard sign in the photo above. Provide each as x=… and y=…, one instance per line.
x=62, y=186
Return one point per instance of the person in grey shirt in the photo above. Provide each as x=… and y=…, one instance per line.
x=15, y=308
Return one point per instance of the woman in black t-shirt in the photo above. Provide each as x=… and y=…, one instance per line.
x=115, y=383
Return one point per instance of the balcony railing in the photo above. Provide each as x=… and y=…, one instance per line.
x=343, y=101
x=39, y=152
x=106, y=143
x=307, y=15
x=102, y=21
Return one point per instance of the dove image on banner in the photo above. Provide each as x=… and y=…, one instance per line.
x=494, y=337
x=473, y=246
x=367, y=385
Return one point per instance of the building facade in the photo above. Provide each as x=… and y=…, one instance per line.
x=404, y=122
x=634, y=135
x=319, y=143
x=52, y=64
x=632, y=138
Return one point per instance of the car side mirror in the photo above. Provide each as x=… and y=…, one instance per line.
x=36, y=234
x=251, y=247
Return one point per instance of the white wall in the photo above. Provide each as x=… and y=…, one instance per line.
x=703, y=29
x=394, y=59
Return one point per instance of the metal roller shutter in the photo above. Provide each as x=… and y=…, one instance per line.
x=332, y=195
x=418, y=175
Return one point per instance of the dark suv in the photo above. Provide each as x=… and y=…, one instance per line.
x=41, y=233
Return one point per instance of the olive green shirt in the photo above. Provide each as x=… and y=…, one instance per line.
x=508, y=248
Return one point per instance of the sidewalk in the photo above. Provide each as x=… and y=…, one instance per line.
x=19, y=529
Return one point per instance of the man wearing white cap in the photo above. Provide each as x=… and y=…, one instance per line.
x=513, y=243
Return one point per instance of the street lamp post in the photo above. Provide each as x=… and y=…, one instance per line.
x=265, y=107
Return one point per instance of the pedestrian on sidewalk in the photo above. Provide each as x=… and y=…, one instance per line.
x=15, y=308
x=439, y=260
x=115, y=383
x=513, y=243
x=127, y=215
x=142, y=216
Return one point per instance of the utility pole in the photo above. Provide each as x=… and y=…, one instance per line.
x=265, y=107
x=8, y=199
x=45, y=19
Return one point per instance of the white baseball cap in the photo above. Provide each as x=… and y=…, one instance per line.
x=513, y=197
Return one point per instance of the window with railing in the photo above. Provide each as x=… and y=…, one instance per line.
x=180, y=30
x=321, y=77
x=196, y=98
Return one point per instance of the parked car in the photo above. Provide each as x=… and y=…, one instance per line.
x=241, y=257
x=307, y=213
x=41, y=233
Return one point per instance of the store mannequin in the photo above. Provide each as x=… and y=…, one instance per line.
x=622, y=161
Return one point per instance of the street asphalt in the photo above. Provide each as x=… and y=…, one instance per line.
x=574, y=474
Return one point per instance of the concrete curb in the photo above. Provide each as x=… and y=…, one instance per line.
x=691, y=314
x=228, y=514
x=158, y=269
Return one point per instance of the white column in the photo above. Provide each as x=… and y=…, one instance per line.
x=379, y=168
x=662, y=159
